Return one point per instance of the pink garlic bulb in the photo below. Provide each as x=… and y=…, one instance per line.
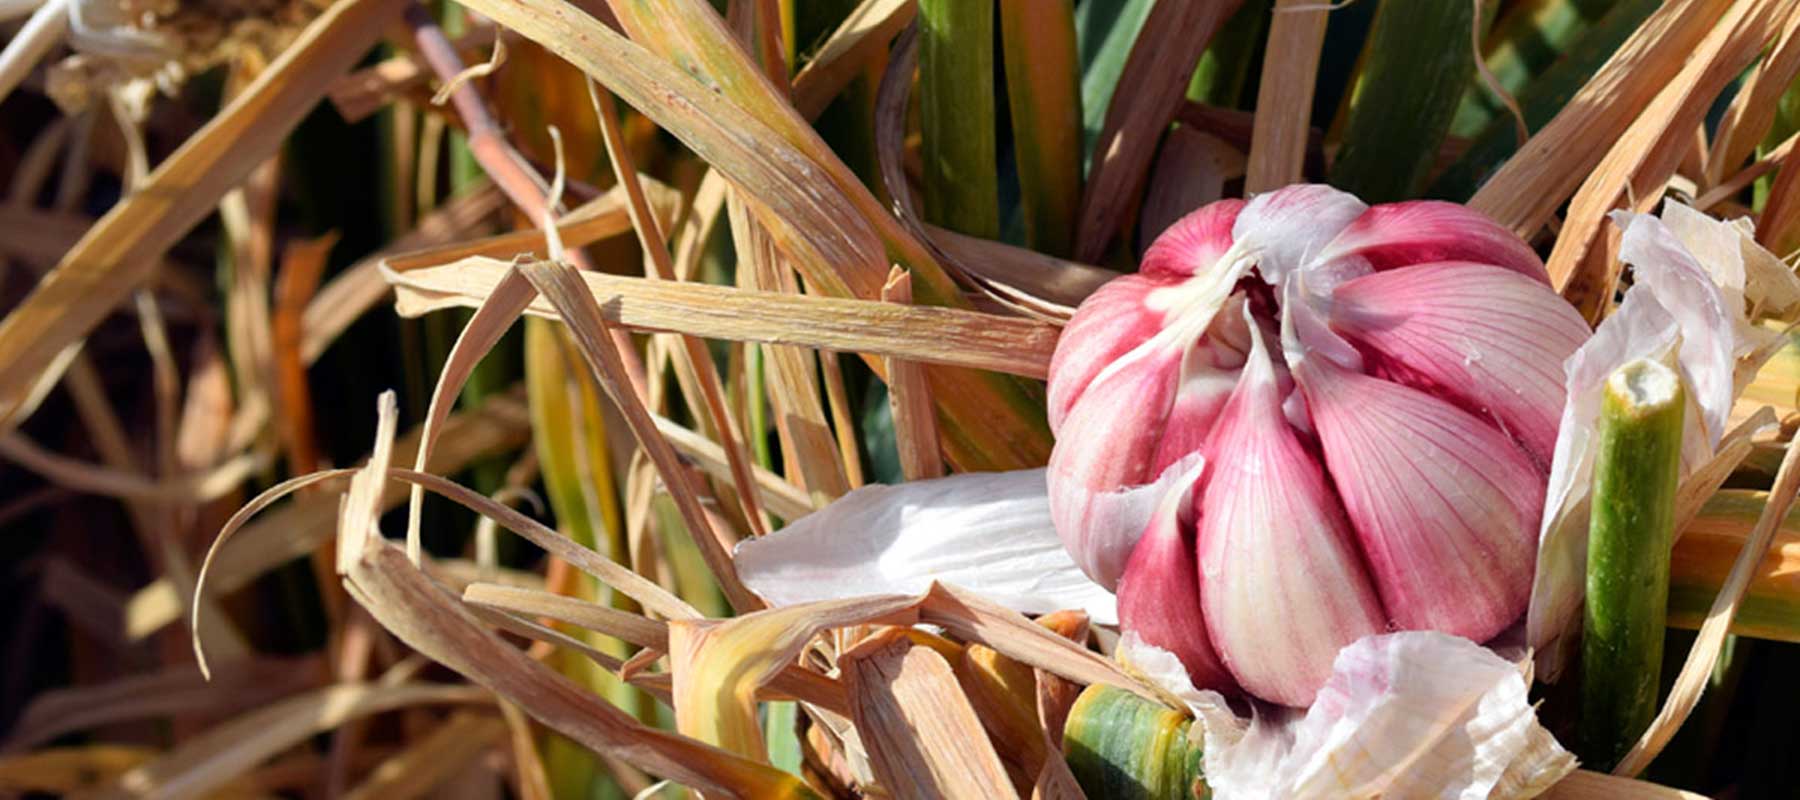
x=1304, y=421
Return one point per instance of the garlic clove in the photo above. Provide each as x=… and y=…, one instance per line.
x=1493, y=341
x=1444, y=504
x=1424, y=231
x=1281, y=587
x=1159, y=594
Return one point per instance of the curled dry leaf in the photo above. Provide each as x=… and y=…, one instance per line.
x=498, y=425
x=414, y=608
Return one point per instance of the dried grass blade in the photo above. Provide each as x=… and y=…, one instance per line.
x=533, y=781
x=490, y=321
x=431, y=761
x=719, y=665
x=1646, y=155
x=358, y=95
x=1284, y=95
x=653, y=598
x=1528, y=189
x=806, y=213
x=863, y=35
x=120, y=251
x=302, y=265
x=1752, y=111
x=552, y=637
x=1731, y=186
x=808, y=450
x=923, y=737
x=175, y=690
x=919, y=333
x=1157, y=72
x=562, y=608
x=1703, y=560
x=969, y=255
x=200, y=487
x=1778, y=227
x=1055, y=694
x=404, y=601
x=564, y=288
x=780, y=497
x=1588, y=785
x=598, y=219
x=977, y=619
x=44, y=30
x=690, y=32
x=1697, y=669
x=1047, y=283
x=1003, y=693
x=909, y=398
x=499, y=425
x=76, y=771
x=229, y=750
x=843, y=426
x=822, y=216
x=650, y=236
x=20, y=400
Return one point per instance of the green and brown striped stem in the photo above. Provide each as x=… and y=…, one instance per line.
x=1123, y=747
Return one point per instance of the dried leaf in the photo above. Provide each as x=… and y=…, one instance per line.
x=70, y=771
x=819, y=213
x=1157, y=72
x=1284, y=95
x=230, y=750
x=431, y=761
x=780, y=497
x=1704, y=557
x=864, y=34
x=1528, y=189
x=1752, y=111
x=592, y=616
x=909, y=397
x=405, y=602
x=922, y=735
x=175, y=690
x=499, y=425
x=719, y=664
x=1647, y=153
x=918, y=333
x=1585, y=785
x=121, y=250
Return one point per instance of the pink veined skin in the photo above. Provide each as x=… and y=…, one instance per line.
x=1375, y=443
